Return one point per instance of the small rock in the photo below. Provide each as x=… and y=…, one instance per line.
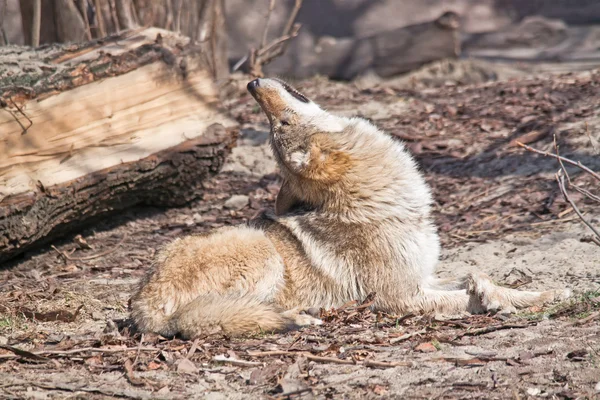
x=426, y=347
x=597, y=387
x=98, y=316
x=236, y=202
x=164, y=390
x=111, y=328
x=3, y=340
x=533, y=391
x=197, y=218
x=186, y=366
x=291, y=386
x=70, y=268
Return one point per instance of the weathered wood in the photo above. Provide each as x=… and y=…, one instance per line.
x=171, y=177
x=87, y=129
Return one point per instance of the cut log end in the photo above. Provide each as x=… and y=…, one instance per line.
x=103, y=127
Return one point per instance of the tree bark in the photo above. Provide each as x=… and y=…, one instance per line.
x=89, y=129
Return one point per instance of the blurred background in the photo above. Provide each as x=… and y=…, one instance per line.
x=345, y=39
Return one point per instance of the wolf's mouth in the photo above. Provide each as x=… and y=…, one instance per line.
x=292, y=91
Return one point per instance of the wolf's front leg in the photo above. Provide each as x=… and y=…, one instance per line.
x=505, y=300
x=477, y=293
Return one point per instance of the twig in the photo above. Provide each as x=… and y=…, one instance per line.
x=558, y=158
x=193, y=348
x=563, y=159
x=20, y=110
x=263, y=51
x=86, y=258
x=561, y=184
x=263, y=42
x=587, y=319
x=586, y=193
x=292, y=18
x=85, y=388
x=386, y=364
x=288, y=395
x=453, y=323
x=75, y=351
x=257, y=58
x=494, y=328
x=329, y=360
x=589, y=135
x=18, y=353
x=130, y=375
x=234, y=361
x=137, y=355
x=241, y=62
x=275, y=353
x=407, y=336
x=552, y=221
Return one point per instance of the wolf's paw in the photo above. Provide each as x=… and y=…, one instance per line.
x=551, y=296
x=489, y=295
x=562, y=294
x=306, y=320
x=300, y=317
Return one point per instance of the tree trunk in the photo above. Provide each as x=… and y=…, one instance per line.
x=98, y=127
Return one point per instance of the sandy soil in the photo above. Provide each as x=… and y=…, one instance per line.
x=498, y=209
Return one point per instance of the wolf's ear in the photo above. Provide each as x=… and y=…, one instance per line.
x=325, y=162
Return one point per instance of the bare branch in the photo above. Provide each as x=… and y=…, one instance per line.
x=589, y=135
x=290, y=22
x=560, y=178
x=563, y=159
x=257, y=58
x=263, y=42
x=561, y=184
x=264, y=52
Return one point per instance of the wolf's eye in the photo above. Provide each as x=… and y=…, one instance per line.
x=285, y=123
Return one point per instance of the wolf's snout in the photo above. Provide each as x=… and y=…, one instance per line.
x=252, y=85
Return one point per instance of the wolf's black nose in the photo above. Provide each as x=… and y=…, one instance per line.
x=252, y=85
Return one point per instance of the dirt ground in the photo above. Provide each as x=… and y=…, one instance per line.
x=63, y=309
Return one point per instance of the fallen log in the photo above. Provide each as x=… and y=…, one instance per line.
x=89, y=129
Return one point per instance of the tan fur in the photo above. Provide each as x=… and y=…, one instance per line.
x=352, y=217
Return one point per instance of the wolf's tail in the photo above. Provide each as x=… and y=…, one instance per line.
x=232, y=314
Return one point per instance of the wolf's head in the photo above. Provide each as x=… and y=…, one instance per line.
x=334, y=163
x=300, y=129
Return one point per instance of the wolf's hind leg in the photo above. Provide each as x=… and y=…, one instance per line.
x=234, y=314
